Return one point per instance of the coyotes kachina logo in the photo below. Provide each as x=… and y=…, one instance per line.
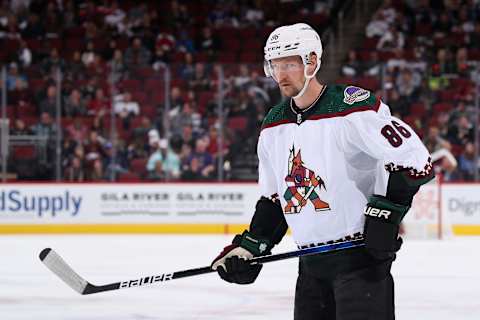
x=301, y=183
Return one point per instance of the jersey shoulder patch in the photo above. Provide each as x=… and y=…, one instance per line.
x=354, y=94
x=345, y=99
x=276, y=115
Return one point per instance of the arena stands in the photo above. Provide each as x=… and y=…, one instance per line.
x=168, y=90
x=422, y=58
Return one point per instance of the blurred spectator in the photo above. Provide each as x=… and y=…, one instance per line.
x=45, y=127
x=51, y=20
x=157, y=174
x=186, y=116
x=178, y=16
x=24, y=54
x=19, y=128
x=461, y=62
x=392, y=39
x=208, y=43
x=49, y=103
x=396, y=62
x=137, y=149
x=254, y=14
x=170, y=162
x=74, y=105
x=15, y=80
x=78, y=131
x=351, y=67
x=373, y=65
x=242, y=78
x=165, y=41
x=75, y=171
x=434, y=141
x=94, y=147
x=464, y=23
x=185, y=43
x=192, y=171
x=160, y=58
x=142, y=130
x=473, y=38
x=75, y=69
x=100, y=104
x=187, y=67
x=200, y=80
x=399, y=105
x=213, y=147
x=377, y=27
x=443, y=26
x=408, y=83
x=137, y=55
x=124, y=106
x=461, y=132
x=204, y=160
x=33, y=28
x=118, y=67
x=88, y=55
x=466, y=163
x=53, y=62
x=69, y=18
x=96, y=173
x=116, y=17
x=176, y=100
x=443, y=63
x=188, y=137
x=108, y=52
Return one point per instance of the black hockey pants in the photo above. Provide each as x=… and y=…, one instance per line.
x=348, y=285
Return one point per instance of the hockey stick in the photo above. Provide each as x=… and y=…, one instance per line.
x=57, y=265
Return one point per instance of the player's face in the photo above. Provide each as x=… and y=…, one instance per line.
x=288, y=72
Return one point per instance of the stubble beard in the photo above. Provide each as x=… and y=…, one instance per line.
x=289, y=91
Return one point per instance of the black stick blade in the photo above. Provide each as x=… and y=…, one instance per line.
x=44, y=253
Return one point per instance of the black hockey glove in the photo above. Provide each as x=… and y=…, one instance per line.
x=232, y=264
x=382, y=220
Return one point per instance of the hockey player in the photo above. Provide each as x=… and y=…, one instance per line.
x=334, y=166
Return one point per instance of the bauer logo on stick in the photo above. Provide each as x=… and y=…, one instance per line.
x=301, y=183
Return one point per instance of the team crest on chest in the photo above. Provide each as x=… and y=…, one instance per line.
x=302, y=184
x=355, y=94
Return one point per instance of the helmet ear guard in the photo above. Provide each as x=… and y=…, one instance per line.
x=267, y=68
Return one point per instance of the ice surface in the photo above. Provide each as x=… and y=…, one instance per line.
x=434, y=280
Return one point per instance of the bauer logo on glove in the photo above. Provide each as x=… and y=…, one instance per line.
x=379, y=213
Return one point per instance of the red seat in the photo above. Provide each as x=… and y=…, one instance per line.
x=370, y=83
x=441, y=107
x=130, y=85
x=153, y=84
x=250, y=57
x=140, y=97
x=417, y=110
x=129, y=177
x=227, y=57
x=157, y=96
x=26, y=110
x=346, y=81
x=148, y=111
x=24, y=152
x=139, y=166
x=370, y=43
x=237, y=123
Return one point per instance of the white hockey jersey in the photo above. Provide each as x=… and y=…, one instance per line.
x=324, y=162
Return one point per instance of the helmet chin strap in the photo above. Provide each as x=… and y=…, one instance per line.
x=307, y=79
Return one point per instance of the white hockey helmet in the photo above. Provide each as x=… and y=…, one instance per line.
x=298, y=39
